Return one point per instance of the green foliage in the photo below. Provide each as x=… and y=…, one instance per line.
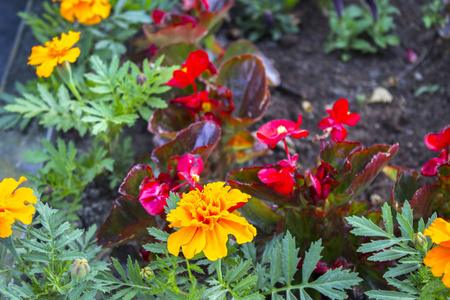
x=64, y=174
x=47, y=252
x=350, y=32
x=257, y=19
x=408, y=275
x=433, y=14
x=430, y=89
x=246, y=276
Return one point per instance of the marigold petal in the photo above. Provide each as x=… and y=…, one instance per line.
x=39, y=54
x=239, y=227
x=6, y=220
x=196, y=245
x=70, y=39
x=70, y=55
x=23, y=213
x=216, y=245
x=180, y=238
x=8, y=185
x=439, y=231
x=24, y=195
x=101, y=8
x=46, y=68
x=446, y=278
x=437, y=259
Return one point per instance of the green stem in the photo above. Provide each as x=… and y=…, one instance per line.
x=189, y=271
x=219, y=269
x=73, y=89
x=8, y=242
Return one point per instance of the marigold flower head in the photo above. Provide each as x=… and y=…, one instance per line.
x=87, y=12
x=438, y=258
x=339, y=116
x=205, y=219
x=13, y=204
x=54, y=53
x=273, y=132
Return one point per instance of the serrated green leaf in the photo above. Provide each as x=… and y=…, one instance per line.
x=389, y=295
x=312, y=257
x=401, y=269
x=365, y=227
x=158, y=234
x=403, y=286
x=387, y=218
x=156, y=248
x=290, y=257
x=275, y=265
x=237, y=272
x=379, y=245
x=246, y=283
x=392, y=254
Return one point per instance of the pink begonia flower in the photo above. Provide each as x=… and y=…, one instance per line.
x=281, y=180
x=195, y=4
x=196, y=63
x=438, y=141
x=154, y=193
x=189, y=168
x=273, y=132
x=431, y=167
x=339, y=116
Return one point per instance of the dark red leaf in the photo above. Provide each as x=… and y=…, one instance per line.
x=169, y=121
x=130, y=185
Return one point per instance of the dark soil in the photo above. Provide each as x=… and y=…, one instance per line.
x=307, y=73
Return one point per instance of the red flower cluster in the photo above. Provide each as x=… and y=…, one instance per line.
x=339, y=116
x=437, y=142
x=197, y=63
x=273, y=132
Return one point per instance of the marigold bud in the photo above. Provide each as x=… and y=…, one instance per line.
x=420, y=241
x=141, y=79
x=147, y=273
x=80, y=269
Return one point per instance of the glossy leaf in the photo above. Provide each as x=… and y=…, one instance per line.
x=392, y=172
x=246, y=47
x=186, y=33
x=260, y=215
x=130, y=185
x=245, y=77
x=245, y=147
x=421, y=199
x=335, y=156
x=365, y=165
x=199, y=138
x=443, y=174
x=175, y=54
x=218, y=10
x=169, y=121
x=127, y=221
x=247, y=181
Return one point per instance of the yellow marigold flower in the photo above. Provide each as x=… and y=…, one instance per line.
x=54, y=53
x=13, y=204
x=438, y=258
x=205, y=219
x=87, y=12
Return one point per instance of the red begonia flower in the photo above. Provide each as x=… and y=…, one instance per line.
x=154, y=193
x=319, y=184
x=195, y=4
x=193, y=101
x=339, y=116
x=430, y=168
x=189, y=168
x=195, y=65
x=438, y=141
x=281, y=181
x=273, y=132
x=158, y=15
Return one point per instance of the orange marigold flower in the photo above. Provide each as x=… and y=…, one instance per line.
x=87, y=12
x=54, y=53
x=205, y=219
x=438, y=258
x=13, y=204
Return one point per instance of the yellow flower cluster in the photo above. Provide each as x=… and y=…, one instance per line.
x=87, y=12
x=54, y=53
x=438, y=258
x=13, y=205
x=205, y=219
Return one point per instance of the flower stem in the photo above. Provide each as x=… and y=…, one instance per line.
x=8, y=243
x=195, y=88
x=219, y=269
x=286, y=147
x=179, y=186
